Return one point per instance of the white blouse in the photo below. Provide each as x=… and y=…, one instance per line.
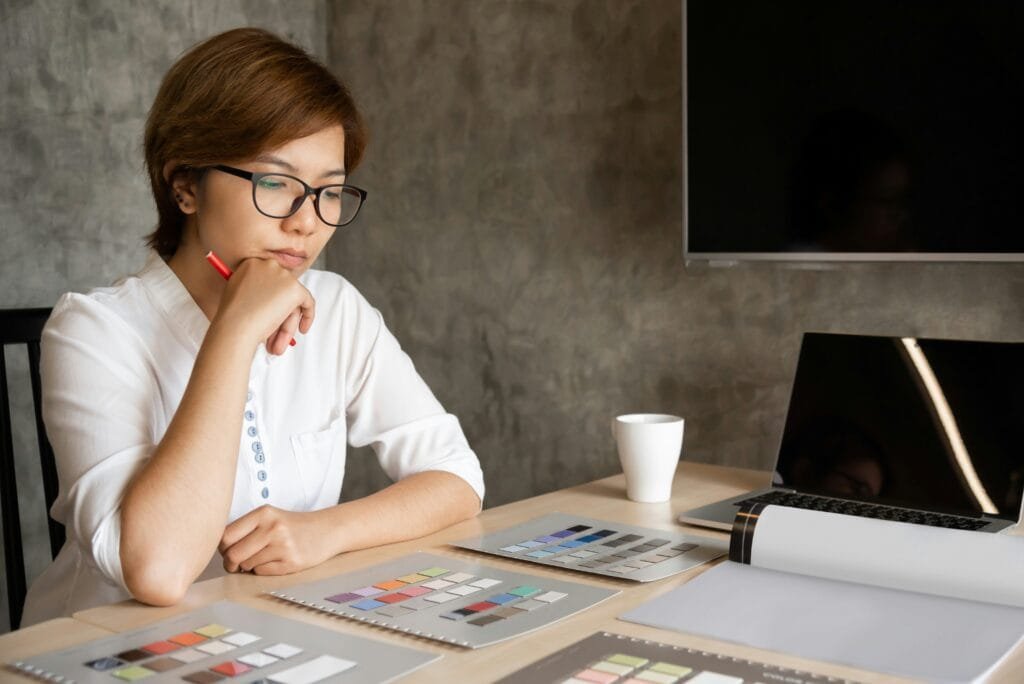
x=115, y=363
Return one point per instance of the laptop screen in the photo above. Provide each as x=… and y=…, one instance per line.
x=932, y=424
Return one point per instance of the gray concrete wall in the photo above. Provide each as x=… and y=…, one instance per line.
x=77, y=81
x=522, y=237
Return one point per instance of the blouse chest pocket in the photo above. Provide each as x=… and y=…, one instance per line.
x=320, y=461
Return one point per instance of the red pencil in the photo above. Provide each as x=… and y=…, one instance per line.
x=223, y=269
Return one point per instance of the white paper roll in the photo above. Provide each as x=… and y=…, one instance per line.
x=977, y=566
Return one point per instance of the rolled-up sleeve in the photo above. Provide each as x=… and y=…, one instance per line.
x=98, y=395
x=391, y=408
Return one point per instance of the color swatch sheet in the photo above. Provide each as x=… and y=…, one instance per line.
x=228, y=642
x=605, y=658
x=600, y=547
x=448, y=600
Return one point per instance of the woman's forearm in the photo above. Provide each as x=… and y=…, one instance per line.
x=412, y=507
x=174, y=511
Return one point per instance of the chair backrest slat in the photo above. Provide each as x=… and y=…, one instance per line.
x=23, y=326
x=14, y=559
x=47, y=461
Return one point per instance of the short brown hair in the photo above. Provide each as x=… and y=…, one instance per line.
x=232, y=96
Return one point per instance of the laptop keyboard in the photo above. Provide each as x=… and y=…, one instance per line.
x=865, y=510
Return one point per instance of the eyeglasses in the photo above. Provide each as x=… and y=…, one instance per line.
x=279, y=195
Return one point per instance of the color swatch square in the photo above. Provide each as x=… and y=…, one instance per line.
x=160, y=647
x=485, y=583
x=133, y=673
x=231, y=668
x=104, y=664
x=671, y=669
x=595, y=676
x=215, y=647
x=241, y=638
x=615, y=668
x=133, y=654
x=257, y=659
x=212, y=631
x=163, y=664
x=433, y=572
x=623, y=659
x=283, y=650
x=368, y=604
x=390, y=584
x=485, y=620
x=203, y=677
x=394, y=611
x=187, y=639
x=188, y=655
x=344, y=598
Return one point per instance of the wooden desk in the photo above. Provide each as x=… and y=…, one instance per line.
x=695, y=484
x=52, y=635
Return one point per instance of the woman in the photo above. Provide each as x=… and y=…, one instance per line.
x=183, y=420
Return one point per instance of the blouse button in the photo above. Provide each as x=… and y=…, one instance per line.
x=257, y=447
x=262, y=475
x=249, y=415
x=265, y=493
x=251, y=431
x=260, y=458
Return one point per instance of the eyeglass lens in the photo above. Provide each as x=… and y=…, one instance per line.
x=280, y=196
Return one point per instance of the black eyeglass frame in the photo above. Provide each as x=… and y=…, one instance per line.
x=255, y=176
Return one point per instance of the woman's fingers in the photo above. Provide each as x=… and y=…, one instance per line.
x=307, y=312
x=267, y=555
x=239, y=529
x=282, y=338
x=238, y=556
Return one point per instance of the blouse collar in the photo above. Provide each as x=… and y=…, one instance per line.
x=177, y=305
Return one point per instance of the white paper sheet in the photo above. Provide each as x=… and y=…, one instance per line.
x=971, y=565
x=884, y=630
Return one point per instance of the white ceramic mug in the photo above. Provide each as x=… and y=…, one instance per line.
x=649, y=445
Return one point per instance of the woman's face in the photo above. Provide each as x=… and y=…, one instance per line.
x=228, y=222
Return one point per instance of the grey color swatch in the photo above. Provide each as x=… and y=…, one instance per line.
x=376, y=661
x=559, y=600
x=640, y=554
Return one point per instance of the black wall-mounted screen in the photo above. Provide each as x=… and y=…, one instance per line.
x=854, y=130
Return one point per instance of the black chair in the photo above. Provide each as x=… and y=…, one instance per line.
x=22, y=326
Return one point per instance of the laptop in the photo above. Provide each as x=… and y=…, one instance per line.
x=917, y=430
